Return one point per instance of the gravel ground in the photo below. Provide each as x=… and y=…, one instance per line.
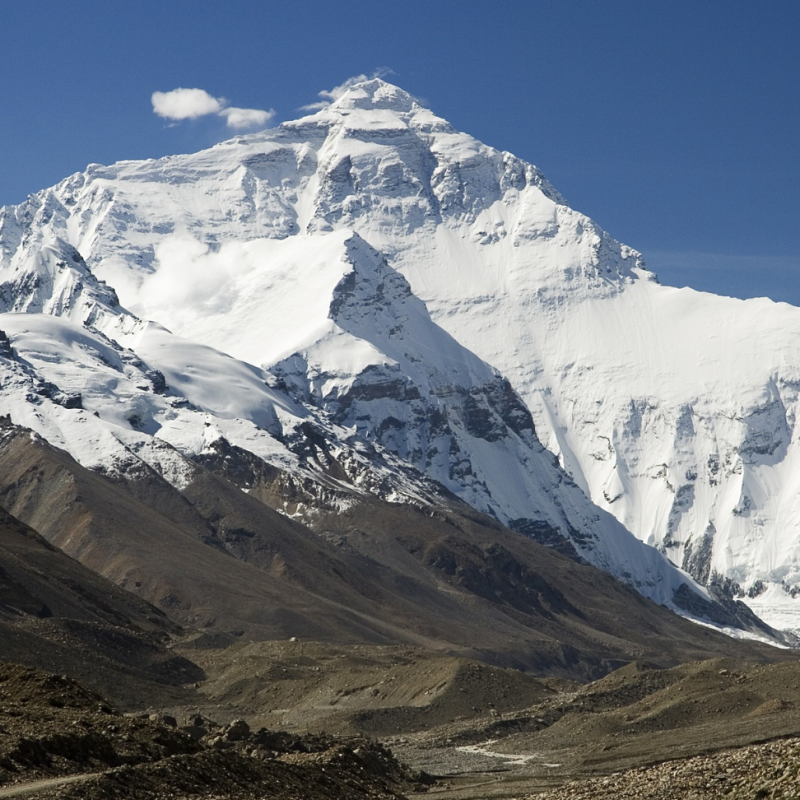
x=759, y=772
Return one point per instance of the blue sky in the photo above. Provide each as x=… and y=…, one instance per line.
x=674, y=124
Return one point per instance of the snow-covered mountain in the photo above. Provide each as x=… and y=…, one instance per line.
x=426, y=297
x=362, y=347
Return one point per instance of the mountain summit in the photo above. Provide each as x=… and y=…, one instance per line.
x=440, y=316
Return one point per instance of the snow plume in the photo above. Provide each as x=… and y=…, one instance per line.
x=332, y=95
x=259, y=301
x=181, y=104
x=187, y=276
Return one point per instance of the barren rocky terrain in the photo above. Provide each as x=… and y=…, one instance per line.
x=214, y=558
x=309, y=720
x=749, y=773
x=52, y=728
x=484, y=731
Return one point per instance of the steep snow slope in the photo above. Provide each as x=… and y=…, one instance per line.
x=120, y=415
x=87, y=395
x=638, y=388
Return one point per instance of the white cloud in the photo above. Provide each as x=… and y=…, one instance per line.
x=180, y=104
x=332, y=95
x=246, y=117
x=185, y=104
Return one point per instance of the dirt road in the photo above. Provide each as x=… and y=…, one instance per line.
x=32, y=787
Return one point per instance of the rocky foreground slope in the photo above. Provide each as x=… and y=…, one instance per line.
x=467, y=722
x=53, y=729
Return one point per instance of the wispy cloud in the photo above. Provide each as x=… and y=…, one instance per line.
x=181, y=104
x=332, y=95
x=246, y=117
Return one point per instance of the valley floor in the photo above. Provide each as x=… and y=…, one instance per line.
x=386, y=723
x=485, y=732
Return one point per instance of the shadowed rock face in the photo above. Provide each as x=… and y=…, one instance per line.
x=57, y=614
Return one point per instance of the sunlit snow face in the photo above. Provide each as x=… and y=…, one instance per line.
x=257, y=300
